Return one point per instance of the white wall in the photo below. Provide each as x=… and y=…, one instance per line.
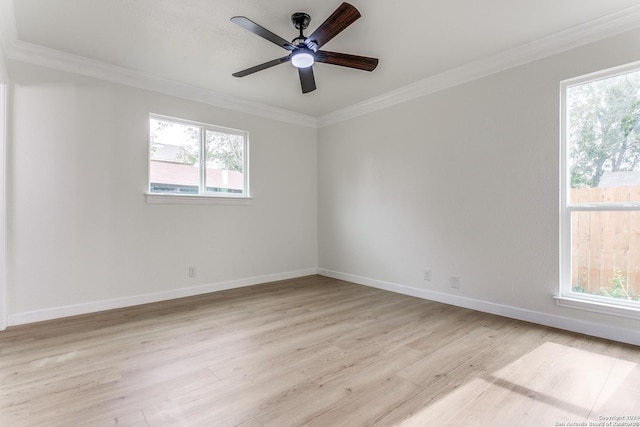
x=81, y=236
x=464, y=182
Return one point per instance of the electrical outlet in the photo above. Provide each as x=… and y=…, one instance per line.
x=455, y=282
x=192, y=271
x=427, y=275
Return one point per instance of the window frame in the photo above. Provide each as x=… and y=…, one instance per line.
x=567, y=297
x=4, y=95
x=202, y=197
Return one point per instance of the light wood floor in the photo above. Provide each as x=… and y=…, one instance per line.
x=313, y=351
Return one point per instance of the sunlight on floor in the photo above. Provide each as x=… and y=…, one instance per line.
x=552, y=385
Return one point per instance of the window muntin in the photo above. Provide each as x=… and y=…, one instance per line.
x=600, y=212
x=189, y=158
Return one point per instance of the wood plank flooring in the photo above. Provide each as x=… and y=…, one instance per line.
x=310, y=352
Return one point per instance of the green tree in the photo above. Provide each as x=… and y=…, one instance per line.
x=189, y=152
x=604, y=128
x=225, y=151
x=222, y=150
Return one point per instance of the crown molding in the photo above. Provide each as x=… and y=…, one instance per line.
x=598, y=29
x=62, y=61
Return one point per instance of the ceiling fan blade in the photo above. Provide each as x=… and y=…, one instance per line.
x=248, y=24
x=307, y=81
x=346, y=60
x=261, y=67
x=340, y=19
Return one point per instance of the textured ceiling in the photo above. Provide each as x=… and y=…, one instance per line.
x=193, y=42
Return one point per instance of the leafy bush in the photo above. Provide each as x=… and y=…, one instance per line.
x=617, y=289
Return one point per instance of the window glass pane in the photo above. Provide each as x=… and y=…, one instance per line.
x=174, y=158
x=605, y=253
x=604, y=139
x=224, y=162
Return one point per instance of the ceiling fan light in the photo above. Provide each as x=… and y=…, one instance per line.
x=302, y=59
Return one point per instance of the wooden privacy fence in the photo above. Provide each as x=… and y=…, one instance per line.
x=605, y=245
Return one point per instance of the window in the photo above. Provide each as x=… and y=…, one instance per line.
x=600, y=206
x=195, y=159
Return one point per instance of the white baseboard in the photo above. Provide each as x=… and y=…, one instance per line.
x=588, y=328
x=96, y=306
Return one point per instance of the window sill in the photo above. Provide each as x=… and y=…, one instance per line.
x=597, y=306
x=176, y=199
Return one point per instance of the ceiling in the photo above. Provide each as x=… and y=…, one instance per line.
x=193, y=42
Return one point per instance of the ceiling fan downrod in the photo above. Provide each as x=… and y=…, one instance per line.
x=301, y=21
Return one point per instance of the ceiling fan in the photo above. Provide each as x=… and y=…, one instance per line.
x=305, y=51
